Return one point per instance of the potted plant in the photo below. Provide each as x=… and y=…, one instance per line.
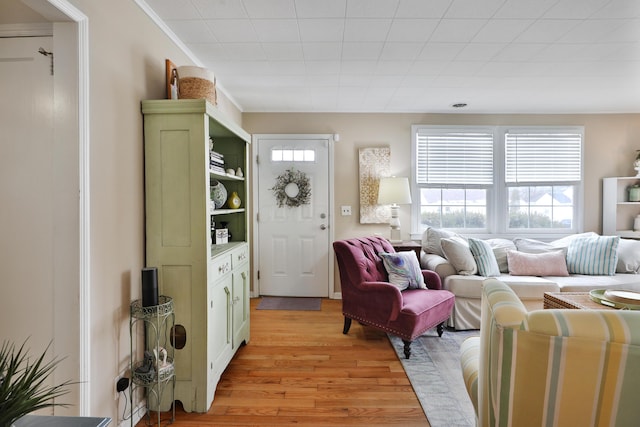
x=23, y=383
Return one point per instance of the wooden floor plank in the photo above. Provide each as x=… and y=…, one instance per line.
x=299, y=369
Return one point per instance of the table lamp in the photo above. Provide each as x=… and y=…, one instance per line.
x=394, y=191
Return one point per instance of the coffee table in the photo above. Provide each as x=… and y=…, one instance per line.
x=572, y=300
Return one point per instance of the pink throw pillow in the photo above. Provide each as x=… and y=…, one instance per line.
x=551, y=263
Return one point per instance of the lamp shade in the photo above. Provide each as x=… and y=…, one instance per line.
x=394, y=190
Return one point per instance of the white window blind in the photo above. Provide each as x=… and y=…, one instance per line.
x=454, y=158
x=543, y=157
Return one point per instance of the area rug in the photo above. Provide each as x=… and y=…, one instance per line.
x=289, y=303
x=436, y=377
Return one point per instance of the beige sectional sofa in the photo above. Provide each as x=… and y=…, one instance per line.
x=457, y=272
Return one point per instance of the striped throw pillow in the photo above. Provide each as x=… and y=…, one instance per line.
x=596, y=255
x=484, y=257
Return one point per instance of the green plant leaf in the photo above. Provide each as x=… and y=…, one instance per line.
x=23, y=383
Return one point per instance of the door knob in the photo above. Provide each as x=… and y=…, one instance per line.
x=323, y=227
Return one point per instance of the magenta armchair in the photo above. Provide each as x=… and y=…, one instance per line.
x=368, y=297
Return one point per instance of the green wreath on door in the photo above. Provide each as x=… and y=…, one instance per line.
x=292, y=189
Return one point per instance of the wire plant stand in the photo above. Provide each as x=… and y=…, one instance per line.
x=157, y=374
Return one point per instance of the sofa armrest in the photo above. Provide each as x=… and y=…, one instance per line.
x=438, y=264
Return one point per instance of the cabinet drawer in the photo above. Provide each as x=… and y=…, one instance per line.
x=239, y=256
x=221, y=265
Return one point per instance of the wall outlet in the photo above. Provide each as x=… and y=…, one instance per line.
x=345, y=210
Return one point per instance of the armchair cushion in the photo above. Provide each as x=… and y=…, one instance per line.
x=403, y=269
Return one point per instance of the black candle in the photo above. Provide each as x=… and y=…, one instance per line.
x=149, y=286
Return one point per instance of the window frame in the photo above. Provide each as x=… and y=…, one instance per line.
x=497, y=194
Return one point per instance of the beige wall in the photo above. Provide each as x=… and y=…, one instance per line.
x=610, y=144
x=127, y=57
x=127, y=54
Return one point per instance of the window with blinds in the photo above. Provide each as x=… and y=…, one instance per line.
x=454, y=169
x=497, y=180
x=454, y=158
x=543, y=157
x=542, y=171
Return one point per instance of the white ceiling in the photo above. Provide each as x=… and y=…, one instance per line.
x=511, y=56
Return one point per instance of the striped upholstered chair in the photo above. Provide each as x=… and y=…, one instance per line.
x=552, y=367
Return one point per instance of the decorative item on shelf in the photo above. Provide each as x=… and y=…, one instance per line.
x=147, y=366
x=161, y=358
x=218, y=193
x=636, y=164
x=292, y=189
x=196, y=83
x=394, y=191
x=149, y=286
x=172, y=79
x=634, y=193
x=636, y=223
x=234, y=200
x=239, y=172
x=222, y=236
x=231, y=172
x=225, y=225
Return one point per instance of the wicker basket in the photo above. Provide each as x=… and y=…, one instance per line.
x=196, y=83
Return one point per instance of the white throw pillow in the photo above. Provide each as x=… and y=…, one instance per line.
x=431, y=240
x=456, y=250
x=628, y=256
x=533, y=246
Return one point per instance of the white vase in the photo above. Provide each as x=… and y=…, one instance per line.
x=218, y=194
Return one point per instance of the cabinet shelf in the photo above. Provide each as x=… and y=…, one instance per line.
x=225, y=176
x=226, y=211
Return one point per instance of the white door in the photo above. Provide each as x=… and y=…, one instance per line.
x=293, y=215
x=26, y=191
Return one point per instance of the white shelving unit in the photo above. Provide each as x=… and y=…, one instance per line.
x=618, y=213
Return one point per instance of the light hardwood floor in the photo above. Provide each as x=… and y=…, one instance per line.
x=299, y=369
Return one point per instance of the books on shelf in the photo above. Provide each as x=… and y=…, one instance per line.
x=216, y=162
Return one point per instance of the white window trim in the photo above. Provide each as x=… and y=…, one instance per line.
x=497, y=210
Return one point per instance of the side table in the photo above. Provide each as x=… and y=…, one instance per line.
x=409, y=245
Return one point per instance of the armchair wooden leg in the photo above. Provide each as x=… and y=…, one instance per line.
x=407, y=348
x=347, y=325
x=440, y=329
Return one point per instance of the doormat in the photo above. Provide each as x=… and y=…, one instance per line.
x=289, y=303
